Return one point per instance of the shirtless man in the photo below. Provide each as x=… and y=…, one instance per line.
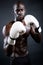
x=16, y=33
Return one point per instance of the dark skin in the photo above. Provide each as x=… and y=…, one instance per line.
x=35, y=34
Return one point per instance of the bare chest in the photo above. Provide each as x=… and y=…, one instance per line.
x=21, y=45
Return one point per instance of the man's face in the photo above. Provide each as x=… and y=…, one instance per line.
x=19, y=11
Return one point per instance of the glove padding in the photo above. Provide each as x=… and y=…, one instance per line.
x=31, y=19
x=17, y=29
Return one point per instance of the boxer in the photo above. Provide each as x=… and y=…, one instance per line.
x=16, y=33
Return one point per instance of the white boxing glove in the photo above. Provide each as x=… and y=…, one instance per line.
x=5, y=45
x=17, y=29
x=31, y=19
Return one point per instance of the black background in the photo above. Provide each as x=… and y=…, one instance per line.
x=34, y=7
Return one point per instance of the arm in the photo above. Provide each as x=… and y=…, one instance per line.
x=5, y=31
x=7, y=47
x=35, y=29
x=36, y=35
x=16, y=30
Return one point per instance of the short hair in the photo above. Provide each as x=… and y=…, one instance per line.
x=18, y=4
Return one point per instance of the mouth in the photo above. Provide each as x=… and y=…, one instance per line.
x=20, y=16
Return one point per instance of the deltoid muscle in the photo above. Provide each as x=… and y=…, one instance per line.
x=6, y=29
x=8, y=26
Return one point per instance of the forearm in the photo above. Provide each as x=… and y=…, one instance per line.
x=8, y=48
x=36, y=35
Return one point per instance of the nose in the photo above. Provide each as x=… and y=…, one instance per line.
x=19, y=12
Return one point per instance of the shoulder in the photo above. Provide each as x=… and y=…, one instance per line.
x=10, y=23
x=6, y=28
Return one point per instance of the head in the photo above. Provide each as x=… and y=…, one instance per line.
x=19, y=10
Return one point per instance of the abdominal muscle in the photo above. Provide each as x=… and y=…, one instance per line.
x=21, y=47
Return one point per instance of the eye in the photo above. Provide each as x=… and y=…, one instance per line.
x=21, y=9
x=17, y=10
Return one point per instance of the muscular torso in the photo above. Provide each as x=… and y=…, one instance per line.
x=21, y=45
